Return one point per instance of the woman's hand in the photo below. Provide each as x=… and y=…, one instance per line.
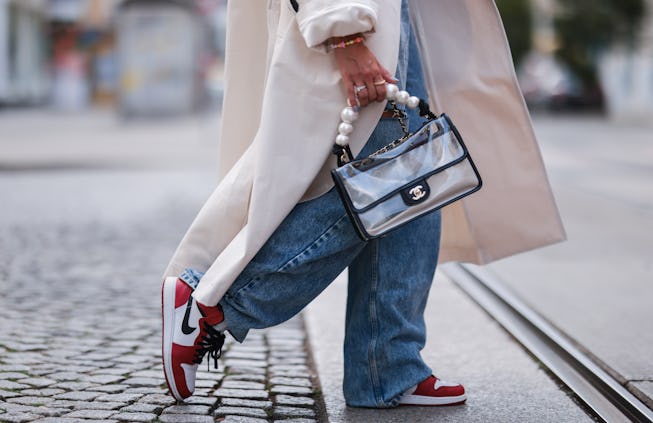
x=360, y=68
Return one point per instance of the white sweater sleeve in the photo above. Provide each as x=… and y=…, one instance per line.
x=320, y=20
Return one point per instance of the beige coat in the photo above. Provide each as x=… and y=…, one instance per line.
x=282, y=104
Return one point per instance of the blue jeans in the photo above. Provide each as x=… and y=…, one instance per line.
x=389, y=278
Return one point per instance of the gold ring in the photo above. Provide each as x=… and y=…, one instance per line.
x=379, y=82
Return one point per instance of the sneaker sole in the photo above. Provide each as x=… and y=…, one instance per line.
x=168, y=315
x=432, y=401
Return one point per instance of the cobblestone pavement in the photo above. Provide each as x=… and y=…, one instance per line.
x=80, y=317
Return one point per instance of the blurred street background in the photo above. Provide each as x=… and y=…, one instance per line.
x=109, y=123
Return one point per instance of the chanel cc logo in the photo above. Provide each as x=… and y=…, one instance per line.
x=417, y=192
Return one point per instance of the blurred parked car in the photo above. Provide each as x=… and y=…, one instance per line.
x=548, y=83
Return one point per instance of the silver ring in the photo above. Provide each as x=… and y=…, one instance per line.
x=359, y=88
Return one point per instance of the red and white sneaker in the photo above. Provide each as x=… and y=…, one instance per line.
x=433, y=391
x=188, y=334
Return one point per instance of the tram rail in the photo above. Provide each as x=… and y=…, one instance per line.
x=603, y=395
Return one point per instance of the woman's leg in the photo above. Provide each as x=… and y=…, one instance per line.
x=389, y=284
x=311, y=247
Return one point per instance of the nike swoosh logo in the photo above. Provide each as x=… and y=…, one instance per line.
x=185, y=327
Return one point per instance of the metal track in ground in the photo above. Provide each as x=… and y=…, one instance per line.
x=604, y=395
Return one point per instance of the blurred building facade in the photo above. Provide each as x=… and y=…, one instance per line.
x=161, y=50
x=144, y=57
x=626, y=76
x=149, y=57
x=23, y=51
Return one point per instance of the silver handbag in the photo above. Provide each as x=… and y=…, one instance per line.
x=414, y=175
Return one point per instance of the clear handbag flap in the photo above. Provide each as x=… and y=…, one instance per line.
x=431, y=149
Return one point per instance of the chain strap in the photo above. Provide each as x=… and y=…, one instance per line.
x=350, y=114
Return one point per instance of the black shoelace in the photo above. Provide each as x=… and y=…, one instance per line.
x=211, y=343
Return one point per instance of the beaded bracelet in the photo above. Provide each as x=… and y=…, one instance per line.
x=346, y=43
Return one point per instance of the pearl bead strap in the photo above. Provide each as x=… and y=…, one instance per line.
x=349, y=114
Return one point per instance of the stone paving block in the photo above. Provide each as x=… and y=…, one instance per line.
x=239, y=402
x=99, y=356
x=34, y=401
x=240, y=384
x=291, y=368
x=240, y=411
x=61, y=376
x=8, y=394
x=213, y=375
x=119, y=397
x=142, y=408
x=287, y=360
x=187, y=409
x=135, y=417
x=110, y=371
x=242, y=419
x=18, y=417
x=280, y=344
x=79, y=395
x=76, y=386
x=296, y=421
x=253, y=378
x=245, y=363
x=206, y=383
x=154, y=374
x=287, y=373
x=59, y=403
x=291, y=381
x=99, y=405
x=296, y=390
x=287, y=412
x=146, y=390
x=72, y=420
x=185, y=418
x=198, y=400
x=247, y=355
x=102, y=379
x=249, y=347
x=144, y=381
x=248, y=370
x=294, y=400
x=12, y=375
x=159, y=399
x=73, y=368
x=22, y=347
x=16, y=408
x=241, y=393
x=47, y=392
x=288, y=354
x=13, y=368
x=135, y=359
x=203, y=392
x=110, y=389
x=47, y=411
x=37, y=382
x=7, y=384
x=91, y=414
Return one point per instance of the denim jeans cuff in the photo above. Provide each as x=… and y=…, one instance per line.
x=237, y=324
